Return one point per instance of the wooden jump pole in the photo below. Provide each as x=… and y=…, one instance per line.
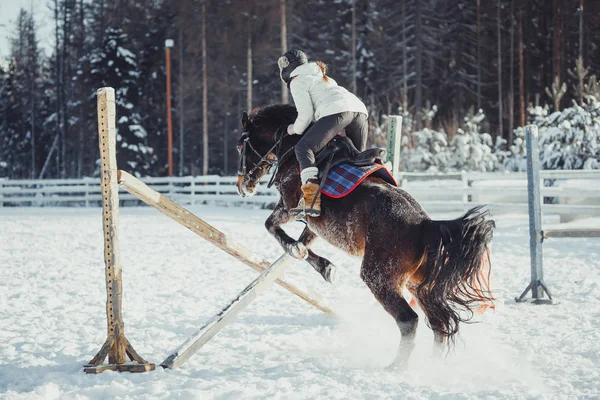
x=208, y=232
x=221, y=319
x=571, y=233
x=116, y=346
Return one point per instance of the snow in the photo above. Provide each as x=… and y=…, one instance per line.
x=569, y=139
x=52, y=305
x=469, y=149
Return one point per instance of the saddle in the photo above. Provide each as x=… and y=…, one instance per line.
x=341, y=150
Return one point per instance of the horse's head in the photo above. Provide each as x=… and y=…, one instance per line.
x=257, y=147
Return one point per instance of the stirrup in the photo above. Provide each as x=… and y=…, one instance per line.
x=300, y=212
x=300, y=217
x=300, y=208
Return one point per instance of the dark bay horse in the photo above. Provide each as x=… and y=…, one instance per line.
x=439, y=262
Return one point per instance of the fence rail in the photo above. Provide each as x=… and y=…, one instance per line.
x=451, y=191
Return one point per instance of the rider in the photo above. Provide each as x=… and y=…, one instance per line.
x=335, y=109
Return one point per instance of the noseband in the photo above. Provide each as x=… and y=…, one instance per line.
x=263, y=159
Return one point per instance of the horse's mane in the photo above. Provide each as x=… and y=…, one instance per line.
x=274, y=115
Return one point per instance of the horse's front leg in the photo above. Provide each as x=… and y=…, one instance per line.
x=297, y=249
x=320, y=264
x=278, y=217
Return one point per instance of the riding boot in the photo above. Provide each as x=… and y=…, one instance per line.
x=310, y=203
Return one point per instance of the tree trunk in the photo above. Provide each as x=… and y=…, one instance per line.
x=80, y=50
x=100, y=33
x=521, y=70
x=404, y=62
x=225, y=143
x=418, y=66
x=511, y=90
x=354, y=46
x=32, y=117
x=63, y=87
x=180, y=96
x=478, y=55
x=499, y=32
x=249, y=69
x=58, y=88
x=284, y=89
x=557, y=39
x=31, y=51
x=204, y=96
x=581, y=29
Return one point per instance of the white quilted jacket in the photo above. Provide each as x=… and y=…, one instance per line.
x=315, y=98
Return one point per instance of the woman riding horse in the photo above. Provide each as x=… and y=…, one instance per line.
x=335, y=110
x=439, y=262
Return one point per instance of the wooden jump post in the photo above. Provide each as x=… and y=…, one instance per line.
x=116, y=345
x=111, y=178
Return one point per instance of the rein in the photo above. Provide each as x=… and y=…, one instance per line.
x=263, y=159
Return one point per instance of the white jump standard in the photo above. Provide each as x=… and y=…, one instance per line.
x=116, y=345
x=537, y=286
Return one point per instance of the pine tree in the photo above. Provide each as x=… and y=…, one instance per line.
x=459, y=44
x=113, y=64
x=23, y=132
x=472, y=150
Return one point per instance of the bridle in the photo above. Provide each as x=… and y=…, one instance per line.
x=247, y=176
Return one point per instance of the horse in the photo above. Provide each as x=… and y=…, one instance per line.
x=439, y=262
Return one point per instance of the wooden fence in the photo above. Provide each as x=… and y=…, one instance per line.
x=437, y=192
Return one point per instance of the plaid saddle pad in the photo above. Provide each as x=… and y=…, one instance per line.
x=344, y=178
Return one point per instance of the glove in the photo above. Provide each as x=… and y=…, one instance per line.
x=290, y=130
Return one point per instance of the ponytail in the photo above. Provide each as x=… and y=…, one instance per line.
x=323, y=68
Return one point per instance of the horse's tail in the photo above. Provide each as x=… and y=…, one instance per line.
x=456, y=255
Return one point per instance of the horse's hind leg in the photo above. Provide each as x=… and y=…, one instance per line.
x=439, y=343
x=386, y=284
x=439, y=340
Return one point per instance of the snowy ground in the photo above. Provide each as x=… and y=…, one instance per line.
x=52, y=298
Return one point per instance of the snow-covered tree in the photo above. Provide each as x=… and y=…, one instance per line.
x=429, y=154
x=426, y=149
x=113, y=64
x=569, y=139
x=472, y=150
x=514, y=159
x=21, y=108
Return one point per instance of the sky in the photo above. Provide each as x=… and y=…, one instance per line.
x=9, y=11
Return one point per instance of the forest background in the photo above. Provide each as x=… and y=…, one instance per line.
x=465, y=75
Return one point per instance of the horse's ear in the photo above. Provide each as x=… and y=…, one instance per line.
x=245, y=120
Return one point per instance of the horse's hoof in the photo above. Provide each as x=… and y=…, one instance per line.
x=397, y=367
x=331, y=274
x=298, y=250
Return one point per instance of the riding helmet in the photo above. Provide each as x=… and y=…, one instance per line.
x=289, y=62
